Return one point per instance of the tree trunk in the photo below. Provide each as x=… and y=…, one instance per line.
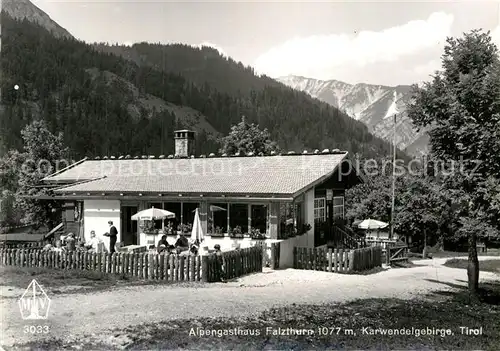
x=424, y=253
x=473, y=266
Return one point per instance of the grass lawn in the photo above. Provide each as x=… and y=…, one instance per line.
x=444, y=254
x=484, y=266
x=58, y=280
x=333, y=326
x=491, y=252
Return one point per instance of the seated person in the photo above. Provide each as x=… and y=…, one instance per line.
x=93, y=244
x=59, y=247
x=182, y=241
x=48, y=247
x=163, y=241
x=194, y=250
x=163, y=245
x=70, y=242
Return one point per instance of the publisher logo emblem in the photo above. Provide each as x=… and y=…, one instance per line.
x=34, y=304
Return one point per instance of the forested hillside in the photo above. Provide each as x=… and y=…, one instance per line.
x=199, y=65
x=106, y=104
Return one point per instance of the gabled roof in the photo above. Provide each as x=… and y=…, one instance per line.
x=283, y=175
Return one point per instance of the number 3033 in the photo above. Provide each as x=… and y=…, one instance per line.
x=36, y=329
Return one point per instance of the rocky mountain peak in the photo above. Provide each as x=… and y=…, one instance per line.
x=25, y=9
x=369, y=103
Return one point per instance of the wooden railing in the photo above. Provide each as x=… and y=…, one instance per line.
x=342, y=238
x=337, y=260
x=21, y=245
x=384, y=243
x=151, y=266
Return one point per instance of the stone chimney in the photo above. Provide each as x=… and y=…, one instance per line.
x=184, y=143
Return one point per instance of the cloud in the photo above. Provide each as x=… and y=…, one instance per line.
x=210, y=45
x=495, y=36
x=321, y=56
x=428, y=67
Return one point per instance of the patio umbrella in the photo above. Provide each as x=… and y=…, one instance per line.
x=152, y=214
x=214, y=208
x=197, y=231
x=372, y=224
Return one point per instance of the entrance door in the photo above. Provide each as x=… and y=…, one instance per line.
x=320, y=221
x=129, y=227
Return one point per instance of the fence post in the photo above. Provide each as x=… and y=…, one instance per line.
x=204, y=268
x=273, y=259
x=352, y=255
x=165, y=265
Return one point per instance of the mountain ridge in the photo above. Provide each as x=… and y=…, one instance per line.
x=369, y=103
x=99, y=117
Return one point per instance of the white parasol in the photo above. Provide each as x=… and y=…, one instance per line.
x=197, y=231
x=372, y=224
x=152, y=214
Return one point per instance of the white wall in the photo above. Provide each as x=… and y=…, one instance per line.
x=97, y=213
x=286, y=249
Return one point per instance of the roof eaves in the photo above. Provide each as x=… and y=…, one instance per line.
x=77, y=183
x=180, y=195
x=47, y=178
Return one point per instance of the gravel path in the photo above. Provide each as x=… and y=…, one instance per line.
x=98, y=312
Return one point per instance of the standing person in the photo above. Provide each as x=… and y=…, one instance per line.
x=221, y=266
x=113, y=234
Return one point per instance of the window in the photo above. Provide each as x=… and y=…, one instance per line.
x=299, y=215
x=287, y=220
x=338, y=207
x=259, y=217
x=188, y=211
x=238, y=216
x=175, y=207
x=319, y=209
x=217, y=218
x=157, y=224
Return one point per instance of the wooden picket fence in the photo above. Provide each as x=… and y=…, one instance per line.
x=366, y=258
x=150, y=266
x=337, y=260
x=141, y=265
x=237, y=263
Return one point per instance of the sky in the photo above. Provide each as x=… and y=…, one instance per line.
x=387, y=43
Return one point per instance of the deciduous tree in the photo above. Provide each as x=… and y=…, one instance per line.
x=245, y=138
x=461, y=104
x=43, y=152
